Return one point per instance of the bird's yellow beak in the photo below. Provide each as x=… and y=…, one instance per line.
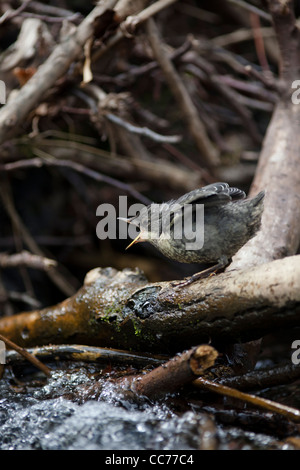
x=136, y=240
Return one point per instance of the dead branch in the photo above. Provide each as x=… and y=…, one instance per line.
x=143, y=130
x=48, y=160
x=287, y=411
x=242, y=16
x=169, y=377
x=83, y=353
x=15, y=111
x=147, y=13
x=230, y=95
x=278, y=168
x=265, y=378
x=181, y=370
x=26, y=259
x=25, y=298
x=130, y=14
x=9, y=14
x=166, y=174
x=56, y=276
x=208, y=153
x=125, y=8
x=240, y=35
x=70, y=49
x=252, y=9
x=175, y=373
x=121, y=310
x=36, y=362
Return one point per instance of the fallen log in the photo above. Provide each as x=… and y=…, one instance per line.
x=120, y=309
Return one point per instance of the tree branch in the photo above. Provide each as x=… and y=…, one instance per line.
x=121, y=310
x=15, y=111
x=278, y=167
x=25, y=258
x=208, y=153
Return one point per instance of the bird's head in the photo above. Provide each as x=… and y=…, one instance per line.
x=153, y=223
x=138, y=222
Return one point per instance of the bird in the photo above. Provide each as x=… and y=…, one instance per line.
x=228, y=221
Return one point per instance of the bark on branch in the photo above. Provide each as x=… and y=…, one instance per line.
x=172, y=375
x=122, y=310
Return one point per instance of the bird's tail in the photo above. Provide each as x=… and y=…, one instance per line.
x=255, y=207
x=258, y=198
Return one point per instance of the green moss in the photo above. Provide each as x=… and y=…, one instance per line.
x=136, y=327
x=113, y=310
x=142, y=335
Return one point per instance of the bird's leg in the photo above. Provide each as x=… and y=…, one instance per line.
x=222, y=263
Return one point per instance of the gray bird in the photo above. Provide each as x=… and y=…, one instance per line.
x=228, y=222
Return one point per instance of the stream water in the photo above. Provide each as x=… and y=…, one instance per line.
x=59, y=413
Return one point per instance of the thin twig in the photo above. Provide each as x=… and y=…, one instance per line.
x=45, y=158
x=27, y=355
x=253, y=9
x=131, y=22
x=136, y=71
x=172, y=139
x=240, y=35
x=25, y=298
x=26, y=259
x=92, y=174
x=9, y=14
x=208, y=151
x=15, y=111
x=198, y=13
x=128, y=26
x=49, y=9
x=51, y=19
x=83, y=353
x=231, y=96
x=100, y=100
x=266, y=78
x=255, y=89
x=165, y=173
x=5, y=304
x=271, y=377
x=287, y=411
x=53, y=273
x=259, y=42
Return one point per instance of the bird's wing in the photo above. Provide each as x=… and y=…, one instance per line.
x=224, y=188
x=236, y=193
x=215, y=194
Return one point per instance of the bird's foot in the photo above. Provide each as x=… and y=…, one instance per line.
x=212, y=271
x=189, y=280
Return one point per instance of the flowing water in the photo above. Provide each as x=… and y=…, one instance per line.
x=62, y=413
